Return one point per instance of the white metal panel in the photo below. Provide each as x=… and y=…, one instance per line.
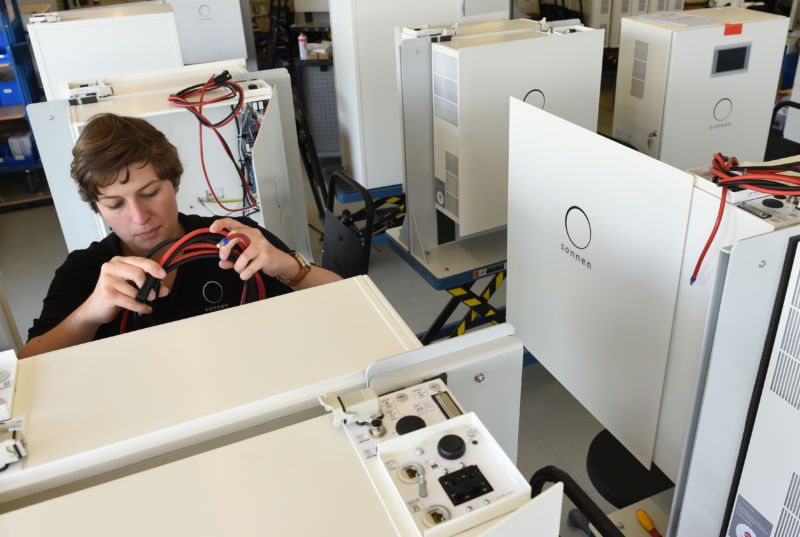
x=580, y=286
x=256, y=486
x=364, y=33
x=748, y=296
x=93, y=42
x=559, y=72
x=140, y=415
x=689, y=324
x=210, y=30
x=769, y=484
x=641, y=85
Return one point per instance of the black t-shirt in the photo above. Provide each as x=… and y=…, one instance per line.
x=200, y=286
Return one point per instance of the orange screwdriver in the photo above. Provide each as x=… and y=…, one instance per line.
x=646, y=523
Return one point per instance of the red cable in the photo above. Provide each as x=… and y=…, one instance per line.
x=197, y=250
x=711, y=238
x=182, y=101
x=721, y=168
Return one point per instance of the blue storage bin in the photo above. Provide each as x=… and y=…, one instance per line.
x=9, y=93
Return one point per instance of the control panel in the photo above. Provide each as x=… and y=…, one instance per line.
x=403, y=412
x=452, y=476
x=437, y=469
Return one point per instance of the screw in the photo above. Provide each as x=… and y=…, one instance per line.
x=51, y=118
x=762, y=264
x=434, y=387
x=461, y=465
x=419, y=451
x=486, y=501
x=480, y=377
x=472, y=432
x=620, y=525
x=445, y=472
x=468, y=509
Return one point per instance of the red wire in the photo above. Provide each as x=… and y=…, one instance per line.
x=197, y=107
x=196, y=250
x=721, y=168
x=710, y=238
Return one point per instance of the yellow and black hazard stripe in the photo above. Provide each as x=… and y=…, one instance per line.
x=479, y=304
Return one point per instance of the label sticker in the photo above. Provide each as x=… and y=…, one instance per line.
x=747, y=521
x=733, y=29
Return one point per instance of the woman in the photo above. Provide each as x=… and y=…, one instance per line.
x=129, y=172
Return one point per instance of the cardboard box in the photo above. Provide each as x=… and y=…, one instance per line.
x=319, y=51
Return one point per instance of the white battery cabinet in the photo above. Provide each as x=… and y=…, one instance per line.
x=214, y=30
x=95, y=42
x=597, y=14
x=364, y=34
x=691, y=84
x=473, y=79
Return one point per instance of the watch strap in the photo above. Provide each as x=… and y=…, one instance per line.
x=305, y=268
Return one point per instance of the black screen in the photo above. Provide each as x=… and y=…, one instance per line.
x=731, y=59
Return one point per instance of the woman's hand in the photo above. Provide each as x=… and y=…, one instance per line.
x=119, y=282
x=259, y=255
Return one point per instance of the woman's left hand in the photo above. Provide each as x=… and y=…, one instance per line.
x=259, y=255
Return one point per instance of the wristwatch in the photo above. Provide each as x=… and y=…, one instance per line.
x=305, y=268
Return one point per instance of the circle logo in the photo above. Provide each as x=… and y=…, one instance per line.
x=204, y=10
x=212, y=292
x=579, y=230
x=535, y=97
x=723, y=109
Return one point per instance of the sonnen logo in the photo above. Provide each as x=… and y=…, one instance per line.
x=579, y=233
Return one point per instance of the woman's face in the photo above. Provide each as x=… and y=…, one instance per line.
x=142, y=211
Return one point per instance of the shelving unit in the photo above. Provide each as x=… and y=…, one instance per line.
x=18, y=88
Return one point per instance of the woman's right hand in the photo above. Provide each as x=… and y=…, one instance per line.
x=119, y=282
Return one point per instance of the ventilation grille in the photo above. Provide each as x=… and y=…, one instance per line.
x=605, y=6
x=789, y=521
x=661, y=5
x=786, y=379
x=451, y=184
x=639, y=68
x=642, y=6
x=625, y=7
x=445, y=87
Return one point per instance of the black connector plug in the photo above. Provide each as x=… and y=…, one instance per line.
x=223, y=77
x=151, y=283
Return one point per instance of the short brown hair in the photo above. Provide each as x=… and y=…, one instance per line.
x=110, y=143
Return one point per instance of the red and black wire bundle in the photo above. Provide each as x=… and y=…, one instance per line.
x=184, y=99
x=194, y=246
x=765, y=178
